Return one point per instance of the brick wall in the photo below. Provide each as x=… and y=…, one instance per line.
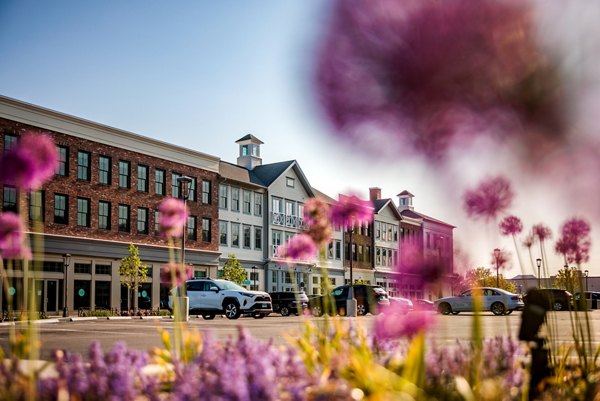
x=94, y=191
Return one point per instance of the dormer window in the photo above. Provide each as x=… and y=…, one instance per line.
x=290, y=182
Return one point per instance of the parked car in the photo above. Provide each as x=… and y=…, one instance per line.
x=369, y=299
x=423, y=305
x=289, y=302
x=496, y=300
x=405, y=305
x=592, y=299
x=210, y=297
x=554, y=299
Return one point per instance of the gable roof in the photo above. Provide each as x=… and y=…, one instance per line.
x=431, y=219
x=266, y=174
x=237, y=173
x=324, y=197
x=405, y=192
x=381, y=204
x=250, y=137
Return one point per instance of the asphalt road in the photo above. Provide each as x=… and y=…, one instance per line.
x=76, y=336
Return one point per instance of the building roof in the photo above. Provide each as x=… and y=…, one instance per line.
x=237, y=173
x=431, y=219
x=405, y=192
x=326, y=198
x=380, y=204
x=251, y=138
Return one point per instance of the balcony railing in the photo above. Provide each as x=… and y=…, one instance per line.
x=281, y=219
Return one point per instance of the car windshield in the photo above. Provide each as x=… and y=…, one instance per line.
x=228, y=285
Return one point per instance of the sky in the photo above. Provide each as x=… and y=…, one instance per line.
x=202, y=74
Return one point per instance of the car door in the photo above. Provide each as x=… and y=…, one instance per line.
x=194, y=293
x=340, y=295
x=463, y=303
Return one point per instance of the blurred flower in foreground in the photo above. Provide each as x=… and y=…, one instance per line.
x=501, y=259
x=299, y=247
x=541, y=232
x=489, y=199
x=175, y=273
x=575, y=242
x=30, y=162
x=437, y=74
x=395, y=323
x=173, y=215
x=427, y=269
x=316, y=215
x=12, y=237
x=350, y=210
x=511, y=225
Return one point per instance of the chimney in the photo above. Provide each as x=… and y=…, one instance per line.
x=374, y=193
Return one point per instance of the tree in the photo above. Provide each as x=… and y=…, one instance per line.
x=568, y=278
x=233, y=270
x=482, y=277
x=133, y=272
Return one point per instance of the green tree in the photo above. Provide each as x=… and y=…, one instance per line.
x=233, y=270
x=482, y=277
x=568, y=278
x=133, y=272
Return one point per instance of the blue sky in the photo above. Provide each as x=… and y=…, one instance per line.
x=202, y=74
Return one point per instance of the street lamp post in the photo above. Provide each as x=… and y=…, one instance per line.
x=497, y=256
x=66, y=261
x=254, y=278
x=184, y=191
x=586, y=273
x=351, y=304
x=538, y=261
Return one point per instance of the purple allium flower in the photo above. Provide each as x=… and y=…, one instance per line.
x=350, y=210
x=511, y=225
x=173, y=215
x=489, y=198
x=575, y=241
x=30, y=163
x=175, y=273
x=528, y=241
x=437, y=74
x=426, y=268
x=393, y=323
x=12, y=237
x=299, y=247
x=541, y=232
x=316, y=215
x=501, y=259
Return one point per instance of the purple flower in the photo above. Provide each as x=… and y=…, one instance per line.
x=500, y=259
x=30, y=163
x=426, y=268
x=541, y=232
x=299, y=247
x=12, y=237
x=173, y=215
x=175, y=273
x=489, y=198
x=438, y=74
x=575, y=241
x=394, y=323
x=350, y=210
x=511, y=225
x=316, y=215
x=528, y=241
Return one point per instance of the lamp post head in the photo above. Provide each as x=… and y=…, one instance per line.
x=496, y=253
x=184, y=181
x=538, y=262
x=586, y=272
x=66, y=259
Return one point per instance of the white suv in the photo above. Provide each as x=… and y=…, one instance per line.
x=209, y=297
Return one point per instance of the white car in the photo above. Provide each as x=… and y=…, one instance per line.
x=405, y=305
x=210, y=297
x=496, y=300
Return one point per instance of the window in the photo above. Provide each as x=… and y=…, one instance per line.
x=83, y=165
x=377, y=230
x=63, y=161
x=206, y=230
x=290, y=209
x=159, y=182
x=330, y=250
x=257, y=237
x=191, y=228
x=142, y=220
x=124, y=174
x=124, y=220
x=9, y=200
x=61, y=210
x=10, y=141
x=235, y=199
x=223, y=196
x=103, y=269
x=277, y=205
x=104, y=170
x=156, y=222
x=258, y=202
x=175, y=185
x=276, y=239
x=246, y=201
x=223, y=233
x=36, y=206
x=84, y=268
x=104, y=215
x=206, y=192
x=83, y=212
x=235, y=234
x=142, y=178
x=338, y=249
x=247, y=232
x=192, y=190
x=290, y=182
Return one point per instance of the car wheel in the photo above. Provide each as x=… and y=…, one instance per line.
x=258, y=316
x=455, y=313
x=284, y=311
x=558, y=306
x=232, y=310
x=208, y=316
x=444, y=308
x=361, y=309
x=317, y=311
x=498, y=308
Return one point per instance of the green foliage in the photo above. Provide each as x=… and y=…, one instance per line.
x=132, y=270
x=568, y=278
x=233, y=270
x=482, y=277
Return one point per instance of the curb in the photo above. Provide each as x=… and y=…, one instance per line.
x=77, y=319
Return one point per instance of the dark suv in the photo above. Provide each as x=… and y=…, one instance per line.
x=553, y=299
x=289, y=302
x=369, y=298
